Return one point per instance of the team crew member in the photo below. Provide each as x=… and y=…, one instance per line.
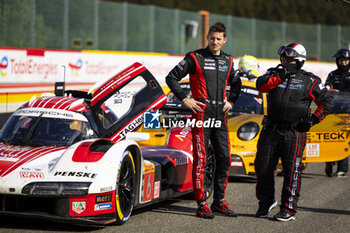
x=339, y=81
x=210, y=70
x=290, y=93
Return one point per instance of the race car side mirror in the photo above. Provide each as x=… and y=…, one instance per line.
x=60, y=88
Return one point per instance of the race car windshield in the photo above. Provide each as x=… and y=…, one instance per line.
x=341, y=103
x=44, y=131
x=249, y=101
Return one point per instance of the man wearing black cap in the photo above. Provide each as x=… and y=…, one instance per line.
x=339, y=81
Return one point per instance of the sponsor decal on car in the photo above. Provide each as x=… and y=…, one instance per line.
x=105, y=206
x=8, y=159
x=148, y=182
x=32, y=174
x=79, y=206
x=312, y=150
x=181, y=161
x=236, y=164
x=106, y=189
x=183, y=134
x=104, y=198
x=131, y=126
x=156, y=189
x=120, y=96
x=76, y=174
x=50, y=113
x=328, y=137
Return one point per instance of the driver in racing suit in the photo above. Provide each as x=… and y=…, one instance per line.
x=210, y=70
x=338, y=81
x=290, y=92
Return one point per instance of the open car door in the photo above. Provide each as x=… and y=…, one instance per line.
x=329, y=140
x=119, y=103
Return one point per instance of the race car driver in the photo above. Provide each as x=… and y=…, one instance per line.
x=210, y=70
x=339, y=81
x=290, y=93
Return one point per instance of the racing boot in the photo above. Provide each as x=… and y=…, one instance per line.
x=263, y=211
x=284, y=216
x=203, y=211
x=222, y=208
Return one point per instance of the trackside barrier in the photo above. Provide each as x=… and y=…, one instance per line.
x=22, y=66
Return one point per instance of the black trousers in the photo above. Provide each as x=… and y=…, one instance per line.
x=219, y=137
x=272, y=145
x=342, y=165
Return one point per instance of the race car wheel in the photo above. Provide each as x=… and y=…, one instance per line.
x=209, y=171
x=126, y=188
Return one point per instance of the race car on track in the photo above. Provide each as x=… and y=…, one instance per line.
x=327, y=141
x=74, y=157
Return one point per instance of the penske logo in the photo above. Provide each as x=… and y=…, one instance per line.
x=76, y=174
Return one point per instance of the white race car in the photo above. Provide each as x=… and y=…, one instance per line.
x=74, y=158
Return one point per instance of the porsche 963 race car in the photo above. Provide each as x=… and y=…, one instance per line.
x=75, y=158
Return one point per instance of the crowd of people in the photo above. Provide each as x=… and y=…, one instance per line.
x=290, y=92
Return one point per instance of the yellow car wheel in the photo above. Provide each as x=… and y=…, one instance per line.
x=125, y=188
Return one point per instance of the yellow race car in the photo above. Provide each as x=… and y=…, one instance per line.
x=327, y=141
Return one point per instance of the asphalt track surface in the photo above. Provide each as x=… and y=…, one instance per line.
x=324, y=206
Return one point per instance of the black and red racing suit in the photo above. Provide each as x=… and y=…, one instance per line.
x=288, y=105
x=209, y=77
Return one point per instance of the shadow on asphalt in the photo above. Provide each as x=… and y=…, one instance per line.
x=242, y=179
x=312, y=175
x=43, y=225
x=168, y=207
x=321, y=210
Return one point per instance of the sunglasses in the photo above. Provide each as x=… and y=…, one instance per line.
x=289, y=52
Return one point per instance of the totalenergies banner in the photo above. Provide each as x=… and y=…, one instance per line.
x=49, y=66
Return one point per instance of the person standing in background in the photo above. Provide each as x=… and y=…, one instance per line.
x=339, y=81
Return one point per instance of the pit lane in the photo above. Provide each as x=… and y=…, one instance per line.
x=324, y=206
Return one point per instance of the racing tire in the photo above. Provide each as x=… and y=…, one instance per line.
x=125, y=188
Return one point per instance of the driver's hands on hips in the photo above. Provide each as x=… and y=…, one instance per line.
x=193, y=105
x=227, y=106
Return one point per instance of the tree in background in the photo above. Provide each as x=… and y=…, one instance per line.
x=328, y=12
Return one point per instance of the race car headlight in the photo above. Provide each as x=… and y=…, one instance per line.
x=248, y=131
x=57, y=188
